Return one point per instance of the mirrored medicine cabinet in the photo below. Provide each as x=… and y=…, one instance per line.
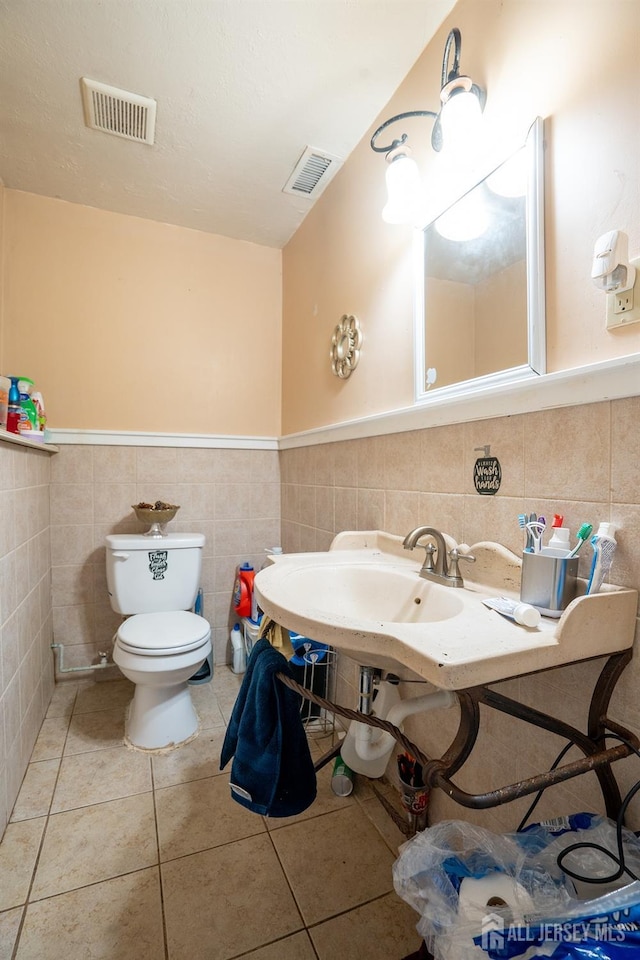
x=480, y=293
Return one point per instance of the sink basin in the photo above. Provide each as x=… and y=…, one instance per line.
x=364, y=596
x=370, y=592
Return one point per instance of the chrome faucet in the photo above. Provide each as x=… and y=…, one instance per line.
x=440, y=572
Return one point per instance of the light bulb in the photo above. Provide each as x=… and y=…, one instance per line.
x=465, y=220
x=460, y=119
x=510, y=179
x=405, y=194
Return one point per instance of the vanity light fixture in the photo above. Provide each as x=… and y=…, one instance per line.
x=461, y=106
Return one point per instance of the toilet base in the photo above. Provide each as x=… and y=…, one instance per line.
x=161, y=717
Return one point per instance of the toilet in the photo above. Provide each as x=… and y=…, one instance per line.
x=153, y=581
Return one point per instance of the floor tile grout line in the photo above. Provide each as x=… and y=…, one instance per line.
x=83, y=806
x=270, y=943
x=217, y=846
x=343, y=913
x=159, y=864
x=165, y=938
x=308, y=926
x=42, y=837
x=94, y=883
x=288, y=881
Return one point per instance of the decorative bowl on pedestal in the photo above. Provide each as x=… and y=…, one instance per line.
x=157, y=515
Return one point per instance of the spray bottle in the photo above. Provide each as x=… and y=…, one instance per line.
x=604, y=546
x=13, y=410
x=28, y=411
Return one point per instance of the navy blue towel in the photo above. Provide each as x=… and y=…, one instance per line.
x=272, y=771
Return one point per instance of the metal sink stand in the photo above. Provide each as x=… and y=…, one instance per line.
x=438, y=773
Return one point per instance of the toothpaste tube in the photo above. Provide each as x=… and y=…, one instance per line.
x=604, y=546
x=522, y=613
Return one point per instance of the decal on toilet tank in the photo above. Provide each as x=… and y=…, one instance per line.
x=158, y=563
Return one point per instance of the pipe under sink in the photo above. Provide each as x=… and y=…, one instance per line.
x=367, y=749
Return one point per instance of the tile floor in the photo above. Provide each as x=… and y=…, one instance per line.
x=115, y=855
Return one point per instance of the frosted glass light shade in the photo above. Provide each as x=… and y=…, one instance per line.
x=405, y=193
x=460, y=119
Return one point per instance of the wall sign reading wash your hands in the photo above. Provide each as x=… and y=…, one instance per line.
x=487, y=473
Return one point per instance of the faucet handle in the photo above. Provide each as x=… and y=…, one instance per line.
x=428, y=566
x=455, y=556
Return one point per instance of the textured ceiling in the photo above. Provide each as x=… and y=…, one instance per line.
x=242, y=87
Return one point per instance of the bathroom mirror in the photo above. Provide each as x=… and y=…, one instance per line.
x=480, y=304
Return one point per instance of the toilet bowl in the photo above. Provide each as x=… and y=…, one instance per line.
x=159, y=652
x=153, y=581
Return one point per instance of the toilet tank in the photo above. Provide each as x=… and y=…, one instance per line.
x=149, y=574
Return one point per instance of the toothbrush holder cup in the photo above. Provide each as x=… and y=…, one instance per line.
x=548, y=583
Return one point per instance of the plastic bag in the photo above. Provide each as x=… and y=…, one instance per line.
x=481, y=894
x=606, y=928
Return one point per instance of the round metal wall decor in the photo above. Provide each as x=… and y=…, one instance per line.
x=345, y=346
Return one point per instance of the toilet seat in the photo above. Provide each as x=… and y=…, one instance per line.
x=163, y=634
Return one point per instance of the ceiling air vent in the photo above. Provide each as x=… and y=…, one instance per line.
x=312, y=173
x=118, y=112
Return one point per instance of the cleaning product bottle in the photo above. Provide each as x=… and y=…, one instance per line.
x=5, y=383
x=13, y=410
x=39, y=404
x=237, y=645
x=559, y=544
x=28, y=411
x=256, y=612
x=604, y=546
x=243, y=589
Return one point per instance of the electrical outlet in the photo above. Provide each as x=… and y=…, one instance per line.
x=624, y=308
x=623, y=302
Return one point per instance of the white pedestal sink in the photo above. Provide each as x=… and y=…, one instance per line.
x=364, y=597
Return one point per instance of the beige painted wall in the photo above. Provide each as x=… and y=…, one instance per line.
x=129, y=324
x=555, y=59
x=2, y=206
x=450, y=347
x=484, y=325
x=501, y=320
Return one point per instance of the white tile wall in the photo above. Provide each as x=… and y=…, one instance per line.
x=26, y=663
x=232, y=496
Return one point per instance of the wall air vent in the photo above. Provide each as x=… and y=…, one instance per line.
x=312, y=173
x=118, y=112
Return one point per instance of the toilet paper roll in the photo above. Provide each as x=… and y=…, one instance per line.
x=494, y=893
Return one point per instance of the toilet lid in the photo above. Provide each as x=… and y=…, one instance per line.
x=177, y=631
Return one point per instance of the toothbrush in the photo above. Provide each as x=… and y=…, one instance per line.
x=522, y=523
x=583, y=534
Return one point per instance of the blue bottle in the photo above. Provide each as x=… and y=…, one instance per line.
x=13, y=406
